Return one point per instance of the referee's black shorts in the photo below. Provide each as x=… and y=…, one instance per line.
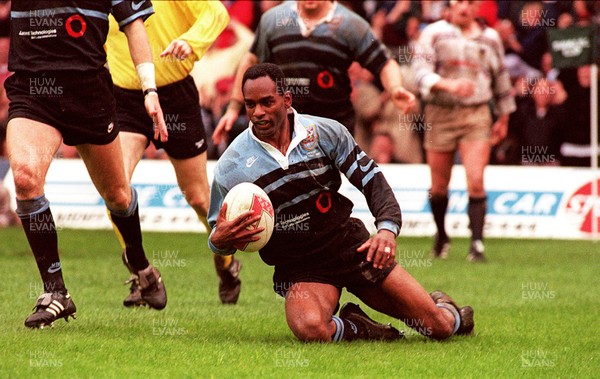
x=341, y=267
x=180, y=104
x=80, y=105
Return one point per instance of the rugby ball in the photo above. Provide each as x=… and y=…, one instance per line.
x=249, y=196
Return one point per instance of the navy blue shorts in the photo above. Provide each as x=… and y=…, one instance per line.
x=80, y=105
x=345, y=268
x=180, y=104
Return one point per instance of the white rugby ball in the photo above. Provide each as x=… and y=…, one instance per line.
x=249, y=196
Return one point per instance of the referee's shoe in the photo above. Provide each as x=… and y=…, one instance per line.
x=230, y=284
x=146, y=287
x=49, y=307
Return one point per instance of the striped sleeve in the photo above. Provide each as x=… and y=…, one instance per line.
x=125, y=12
x=504, y=101
x=424, y=61
x=217, y=194
x=366, y=176
x=370, y=53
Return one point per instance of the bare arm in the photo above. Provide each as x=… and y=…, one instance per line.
x=141, y=55
x=236, y=101
x=391, y=79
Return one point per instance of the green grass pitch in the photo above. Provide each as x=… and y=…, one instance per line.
x=536, y=304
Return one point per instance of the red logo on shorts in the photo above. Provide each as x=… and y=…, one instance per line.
x=581, y=204
x=82, y=26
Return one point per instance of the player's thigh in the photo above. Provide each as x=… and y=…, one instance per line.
x=475, y=155
x=133, y=146
x=105, y=166
x=31, y=145
x=440, y=166
x=399, y=296
x=309, y=304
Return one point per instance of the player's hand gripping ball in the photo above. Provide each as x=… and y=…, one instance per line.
x=248, y=196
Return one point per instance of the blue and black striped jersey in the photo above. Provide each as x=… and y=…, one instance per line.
x=66, y=35
x=303, y=186
x=316, y=63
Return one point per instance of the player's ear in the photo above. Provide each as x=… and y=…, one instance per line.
x=287, y=99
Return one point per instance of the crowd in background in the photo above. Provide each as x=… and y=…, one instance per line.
x=553, y=108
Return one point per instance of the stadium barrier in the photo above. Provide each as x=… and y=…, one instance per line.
x=523, y=202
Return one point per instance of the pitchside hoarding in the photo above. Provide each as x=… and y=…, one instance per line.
x=523, y=202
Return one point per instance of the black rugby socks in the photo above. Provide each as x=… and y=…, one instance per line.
x=40, y=230
x=127, y=227
x=439, y=204
x=477, y=210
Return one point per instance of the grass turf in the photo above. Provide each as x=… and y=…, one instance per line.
x=536, y=310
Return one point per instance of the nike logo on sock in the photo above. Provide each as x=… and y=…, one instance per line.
x=54, y=267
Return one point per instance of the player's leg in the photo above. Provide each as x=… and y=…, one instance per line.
x=309, y=309
x=133, y=146
x=399, y=295
x=193, y=181
x=475, y=156
x=31, y=146
x=187, y=149
x=105, y=166
x=440, y=165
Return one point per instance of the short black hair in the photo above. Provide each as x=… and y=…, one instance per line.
x=266, y=69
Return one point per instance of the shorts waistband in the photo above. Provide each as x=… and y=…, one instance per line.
x=164, y=88
x=62, y=74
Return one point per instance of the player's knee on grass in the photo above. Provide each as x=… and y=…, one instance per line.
x=310, y=327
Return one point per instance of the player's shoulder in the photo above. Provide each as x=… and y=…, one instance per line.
x=440, y=26
x=343, y=11
x=240, y=144
x=491, y=34
x=348, y=20
x=320, y=127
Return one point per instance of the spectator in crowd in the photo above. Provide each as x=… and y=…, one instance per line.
x=4, y=38
x=539, y=122
x=575, y=149
x=315, y=42
x=382, y=148
x=460, y=71
x=215, y=89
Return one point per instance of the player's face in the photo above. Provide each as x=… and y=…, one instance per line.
x=463, y=12
x=311, y=5
x=266, y=108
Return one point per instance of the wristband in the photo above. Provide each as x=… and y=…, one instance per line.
x=145, y=72
x=148, y=90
